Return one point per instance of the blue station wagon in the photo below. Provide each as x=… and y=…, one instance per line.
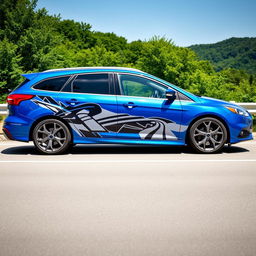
x=57, y=109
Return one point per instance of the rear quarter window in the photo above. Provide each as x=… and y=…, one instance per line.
x=52, y=84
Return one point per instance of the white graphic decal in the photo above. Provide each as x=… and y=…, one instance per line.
x=89, y=119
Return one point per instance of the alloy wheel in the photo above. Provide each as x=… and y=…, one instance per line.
x=208, y=135
x=51, y=136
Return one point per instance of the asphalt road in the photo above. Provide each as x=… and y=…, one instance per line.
x=117, y=200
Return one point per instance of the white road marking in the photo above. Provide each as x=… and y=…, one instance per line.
x=127, y=161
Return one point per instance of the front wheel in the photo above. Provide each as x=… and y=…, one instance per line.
x=51, y=136
x=208, y=135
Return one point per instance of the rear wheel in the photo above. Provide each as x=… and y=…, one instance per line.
x=51, y=136
x=208, y=135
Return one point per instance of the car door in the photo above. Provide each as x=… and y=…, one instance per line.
x=85, y=102
x=144, y=113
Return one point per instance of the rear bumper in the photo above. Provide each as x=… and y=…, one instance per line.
x=7, y=134
x=16, y=131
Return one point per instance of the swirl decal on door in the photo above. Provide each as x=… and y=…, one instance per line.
x=90, y=120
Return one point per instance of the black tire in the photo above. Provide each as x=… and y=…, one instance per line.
x=208, y=135
x=51, y=137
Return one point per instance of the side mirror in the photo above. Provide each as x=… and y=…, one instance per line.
x=170, y=94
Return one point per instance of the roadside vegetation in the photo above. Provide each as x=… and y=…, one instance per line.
x=31, y=40
x=239, y=53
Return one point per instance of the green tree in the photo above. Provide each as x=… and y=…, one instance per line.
x=15, y=17
x=110, y=41
x=97, y=56
x=9, y=66
x=78, y=32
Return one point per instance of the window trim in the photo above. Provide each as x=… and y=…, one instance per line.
x=149, y=78
x=114, y=83
x=73, y=77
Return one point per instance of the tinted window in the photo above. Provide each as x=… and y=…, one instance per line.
x=141, y=87
x=91, y=83
x=52, y=84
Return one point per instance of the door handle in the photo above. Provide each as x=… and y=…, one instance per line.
x=130, y=105
x=72, y=102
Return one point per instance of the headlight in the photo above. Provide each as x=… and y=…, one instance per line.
x=238, y=111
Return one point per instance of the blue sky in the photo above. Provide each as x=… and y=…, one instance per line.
x=186, y=22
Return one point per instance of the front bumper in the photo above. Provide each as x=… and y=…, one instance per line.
x=241, y=129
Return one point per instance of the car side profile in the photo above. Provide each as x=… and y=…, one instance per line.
x=59, y=108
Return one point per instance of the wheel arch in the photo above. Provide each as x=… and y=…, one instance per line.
x=208, y=115
x=49, y=117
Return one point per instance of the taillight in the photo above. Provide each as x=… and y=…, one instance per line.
x=16, y=99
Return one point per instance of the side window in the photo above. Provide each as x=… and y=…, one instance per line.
x=52, y=84
x=91, y=83
x=141, y=87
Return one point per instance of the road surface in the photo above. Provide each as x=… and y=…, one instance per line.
x=120, y=200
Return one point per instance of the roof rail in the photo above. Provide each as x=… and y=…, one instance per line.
x=88, y=68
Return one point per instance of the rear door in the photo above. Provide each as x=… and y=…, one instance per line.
x=143, y=111
x=85, y=102
x=91, y=101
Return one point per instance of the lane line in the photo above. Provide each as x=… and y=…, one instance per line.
x=127, y=161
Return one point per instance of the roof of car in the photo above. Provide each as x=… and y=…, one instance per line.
x=77, y=70
x=93, y=68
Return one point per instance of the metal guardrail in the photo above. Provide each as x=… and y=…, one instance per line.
x=3, y=109
x=251, y=107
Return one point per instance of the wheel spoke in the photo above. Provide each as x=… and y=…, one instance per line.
x=217, y=131
x=202, y=142
x=44, y=130
x=58, y=140
x=199, y=132
x=49, y=145
x=56, y=130
x=208, y=126
x=46, y=133
x=213, y=142
x=43, y=140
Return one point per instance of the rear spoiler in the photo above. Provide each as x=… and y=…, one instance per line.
x=30, y=76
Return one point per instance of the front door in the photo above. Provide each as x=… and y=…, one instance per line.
x=143, y=111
